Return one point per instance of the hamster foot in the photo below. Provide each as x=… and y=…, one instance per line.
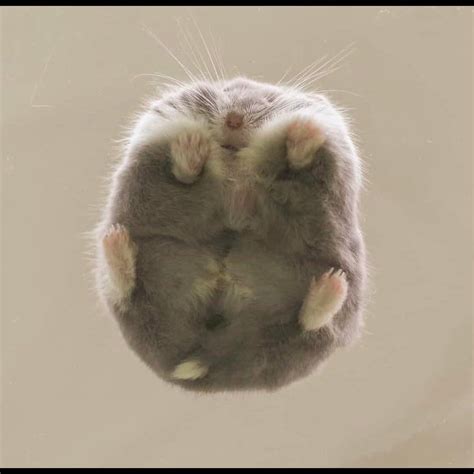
x=119, y=252
x=189, y=370
x=324, y=299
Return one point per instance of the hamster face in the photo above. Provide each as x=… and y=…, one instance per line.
x=233, y=109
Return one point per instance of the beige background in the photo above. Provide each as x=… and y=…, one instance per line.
x=73, y=394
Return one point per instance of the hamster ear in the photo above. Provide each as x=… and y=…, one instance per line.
x=189, y=370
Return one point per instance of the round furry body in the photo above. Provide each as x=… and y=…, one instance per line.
x=230, y=251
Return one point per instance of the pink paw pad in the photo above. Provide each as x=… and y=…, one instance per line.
x=304, y=138
x=119, y=252
x=333, y=280
x=325, y=298
x=115, y=238
x=190, y=151
x=118, y=248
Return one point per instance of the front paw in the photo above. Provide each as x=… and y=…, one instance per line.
x=304, y=138
x=283, y=147
x=189, y=152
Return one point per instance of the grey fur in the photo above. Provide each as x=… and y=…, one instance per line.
x=298, y=225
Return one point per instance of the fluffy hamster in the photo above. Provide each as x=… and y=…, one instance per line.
x=230, y=250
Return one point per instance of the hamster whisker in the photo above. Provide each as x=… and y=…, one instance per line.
x=338, y=90
x=318, y=77
x=204, y=100
x=218, y=57
x=190, y=49
x=160, y=76
x=327, y=67
x=284, y=75
x=206, y=48
x=191, y=76
x=305, y=71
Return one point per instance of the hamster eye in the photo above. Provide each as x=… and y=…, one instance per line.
x=206, y=94
x=202, y=98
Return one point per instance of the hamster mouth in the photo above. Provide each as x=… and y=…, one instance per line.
x=231, y=148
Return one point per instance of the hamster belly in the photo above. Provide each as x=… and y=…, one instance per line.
x=260, y=287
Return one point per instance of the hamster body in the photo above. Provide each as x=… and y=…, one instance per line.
x=230, y=250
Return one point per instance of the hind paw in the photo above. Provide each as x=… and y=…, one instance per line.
x=324, y=299
x=189, y=370
x=120, y=252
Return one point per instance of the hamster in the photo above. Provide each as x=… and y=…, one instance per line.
x=230, y=250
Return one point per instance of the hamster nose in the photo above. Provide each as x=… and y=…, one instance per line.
x=234, y=120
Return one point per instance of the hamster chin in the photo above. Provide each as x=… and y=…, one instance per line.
x=229, y=250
